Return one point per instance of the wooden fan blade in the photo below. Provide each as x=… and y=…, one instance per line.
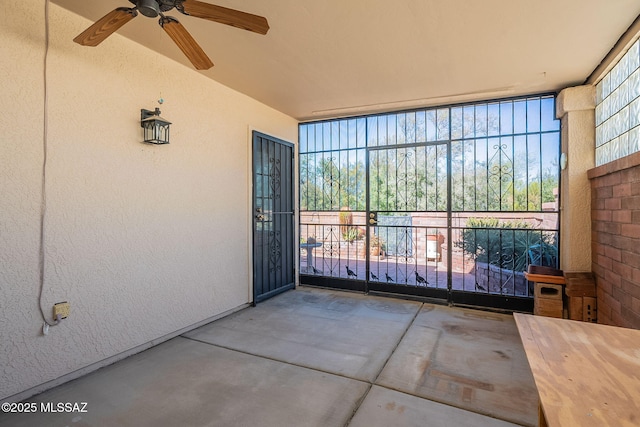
x=105, y=26
x=186, y=43
x=223, y=15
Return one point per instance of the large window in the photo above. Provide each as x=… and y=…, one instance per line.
x=430, y=201
x=504, y=157
x=618, y=109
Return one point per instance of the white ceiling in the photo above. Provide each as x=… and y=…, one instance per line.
x=328, y=58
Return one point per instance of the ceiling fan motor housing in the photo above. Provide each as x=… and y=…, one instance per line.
x=149, y=8
x=153, y=8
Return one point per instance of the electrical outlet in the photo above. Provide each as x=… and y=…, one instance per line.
x=62, y=309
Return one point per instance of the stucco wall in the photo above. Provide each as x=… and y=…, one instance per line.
x=142, y=240
x=575, y=108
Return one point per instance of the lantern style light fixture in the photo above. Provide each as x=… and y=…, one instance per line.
x=155, y=128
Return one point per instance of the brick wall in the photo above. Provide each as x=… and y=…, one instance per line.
x=615, y=217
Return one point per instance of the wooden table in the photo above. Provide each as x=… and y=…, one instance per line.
x=586, y=374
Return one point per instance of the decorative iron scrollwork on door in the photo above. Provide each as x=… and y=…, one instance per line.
x=274, y=175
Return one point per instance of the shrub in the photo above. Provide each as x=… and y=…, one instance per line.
x=352, y=234
x=511, y=245
x=345, y=217
x=376, y=241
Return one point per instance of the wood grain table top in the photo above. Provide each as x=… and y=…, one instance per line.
x=586, y=374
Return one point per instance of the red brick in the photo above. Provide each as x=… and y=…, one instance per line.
x=622, y=297
x=618, y=320
x=630, y=175
x=612, y=302
x=598, y=271
x=603, y=308
x=614, y=203
x=602, y=300
x=631, y=287
x=604, y=262
x=612, y=179
x=598, y=226
x=599, y=182
x=604, y=286
x=597, y=248
x=635, y=277
x=623, y=216
x=602, y=215
x=632, y=203
x=597, y=204
x=622, y=190
x=622, y=269
x=631, y=230
x=613, y=278
x=604, y=238
x=624, y=243
x=609, y=227
x=632, y=319
x=631, y=259
x=635, y=216
x=603, y=192
x=613, y=253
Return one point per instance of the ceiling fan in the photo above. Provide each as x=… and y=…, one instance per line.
x=114, y=20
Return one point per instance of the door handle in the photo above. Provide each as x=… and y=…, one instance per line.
x=260, y=217
x=373, y=218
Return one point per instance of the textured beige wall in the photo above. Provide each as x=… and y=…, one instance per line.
x=142, y=240
x=576, y=109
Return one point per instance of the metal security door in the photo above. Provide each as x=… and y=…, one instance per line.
x=273, y=226
x=408, y=216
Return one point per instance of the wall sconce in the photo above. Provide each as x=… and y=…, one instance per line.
x=156, y=129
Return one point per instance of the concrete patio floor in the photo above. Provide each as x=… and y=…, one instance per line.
x=314, y=357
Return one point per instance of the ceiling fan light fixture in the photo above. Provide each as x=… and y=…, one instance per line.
x=149, y=8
